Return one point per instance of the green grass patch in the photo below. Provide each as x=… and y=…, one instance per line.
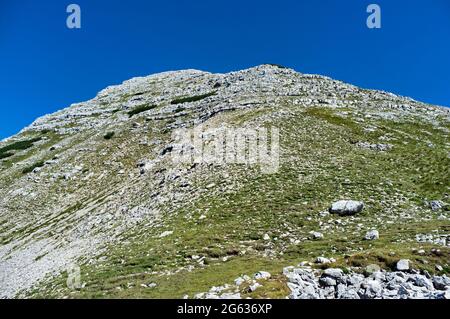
x=274, y=288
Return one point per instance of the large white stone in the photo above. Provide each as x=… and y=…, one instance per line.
x=346, y=207
x=403, y=265
x=372, y=235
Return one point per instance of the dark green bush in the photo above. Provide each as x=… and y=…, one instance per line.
x=193, y=98
x=109, y=135
x=16, y=146
x=5, y=155
x=29, y=169
x=277, y=65
x=141, y=109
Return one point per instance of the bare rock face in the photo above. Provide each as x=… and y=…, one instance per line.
x=346, y=207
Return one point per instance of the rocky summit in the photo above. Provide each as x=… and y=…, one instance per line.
x=170, y=184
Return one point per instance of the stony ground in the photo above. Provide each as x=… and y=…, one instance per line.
x=306, y=282
x=95, y=185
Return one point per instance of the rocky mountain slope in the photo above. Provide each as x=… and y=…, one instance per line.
x=95, y=186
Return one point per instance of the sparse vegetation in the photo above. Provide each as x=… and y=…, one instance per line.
x=277, y=65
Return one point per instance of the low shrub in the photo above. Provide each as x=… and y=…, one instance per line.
x=109, y=135
x=17, y=146
x=31, y=168
x=193, y=98
x=141, y=109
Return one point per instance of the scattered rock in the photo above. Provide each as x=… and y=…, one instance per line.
x=375, y=147
x=372, y=235
x=436, y=205
x=441, y=282
x=166, y=233
x=371, y=269
x=335, y=273
x=254, y=286
x=239, y=281
x=262, y=275
x=327, y=281
x=322, y=260
x=346, y=207
x=402, y=265
x=316, y=235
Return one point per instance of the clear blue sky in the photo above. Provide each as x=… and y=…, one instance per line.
x=44, y=66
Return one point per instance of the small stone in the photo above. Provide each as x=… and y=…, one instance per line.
x=165, y=234
x=254, y=286
x=436, y=205
x=371, y=269
x=402, y=265
x=327, y=281
x=335, y=273
x=373, y=289
x=262, y=275
x=322, y=260
x=239, y=281
x=372, y=235
x=287, y=270
x=316, y=235
x=266, y=237
x=324, y=213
